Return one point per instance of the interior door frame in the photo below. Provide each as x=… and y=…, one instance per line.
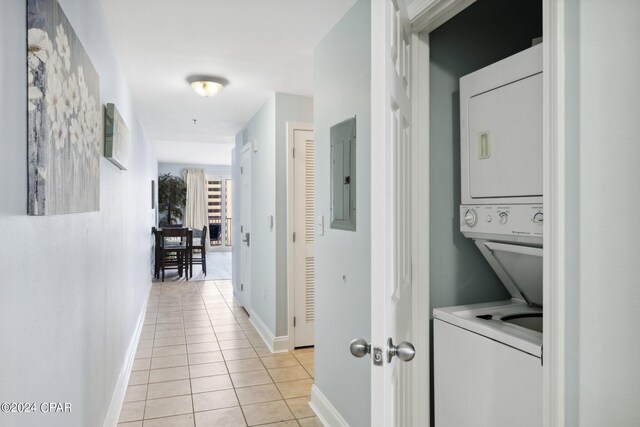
x=246, y=293
x=425, y=16
x=291, y=210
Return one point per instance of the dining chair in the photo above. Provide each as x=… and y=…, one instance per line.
x=175, y=249
x=203, y=254
x=157, y=235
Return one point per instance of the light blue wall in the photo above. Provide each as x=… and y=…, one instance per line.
x=342, y=88
x=261, y=129
x=606, y=291
x=73, y=286
x=289, y=108
x=268, y=130
x=484, y=33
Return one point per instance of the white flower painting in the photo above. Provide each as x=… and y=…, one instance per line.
x=65, y=121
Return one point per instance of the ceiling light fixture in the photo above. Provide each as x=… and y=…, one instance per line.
x=207, y=85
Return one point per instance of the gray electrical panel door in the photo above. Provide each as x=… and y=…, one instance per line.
x=343, y=175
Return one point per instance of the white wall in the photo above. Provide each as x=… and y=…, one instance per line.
x=73, y=286
x=342, y=89
x=607, y=241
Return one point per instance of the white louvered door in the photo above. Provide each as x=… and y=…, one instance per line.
x=304, y=271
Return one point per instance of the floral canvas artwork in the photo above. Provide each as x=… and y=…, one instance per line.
x=64, y=117
x=116, y=137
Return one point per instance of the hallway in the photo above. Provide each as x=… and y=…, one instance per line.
x=200, y=362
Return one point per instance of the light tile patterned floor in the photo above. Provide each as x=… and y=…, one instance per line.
x=201, y=363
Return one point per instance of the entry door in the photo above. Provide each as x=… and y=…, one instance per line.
x=304, y=259
x=393, y=380
x=245, y=229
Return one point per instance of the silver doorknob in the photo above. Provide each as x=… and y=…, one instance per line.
x=359, y=347
x=405, y=351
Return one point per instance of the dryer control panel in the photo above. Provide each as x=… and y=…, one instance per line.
x=498, y=222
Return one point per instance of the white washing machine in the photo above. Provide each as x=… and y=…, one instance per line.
x=488, y=357
x=488, y=370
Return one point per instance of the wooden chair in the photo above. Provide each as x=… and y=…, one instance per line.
x=157, y=235
x=175, y=250
x=203, y=254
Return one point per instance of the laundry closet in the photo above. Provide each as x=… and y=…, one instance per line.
x=486, y=215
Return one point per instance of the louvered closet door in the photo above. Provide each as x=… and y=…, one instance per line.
x=304, y=288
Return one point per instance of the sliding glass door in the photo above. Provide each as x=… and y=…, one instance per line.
x=219, y=203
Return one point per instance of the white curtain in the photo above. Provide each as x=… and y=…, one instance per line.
x=195, y=215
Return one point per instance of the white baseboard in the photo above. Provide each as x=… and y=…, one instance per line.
x=325, y=411
x=123, y=379
x=275, y=344
x=281, y=344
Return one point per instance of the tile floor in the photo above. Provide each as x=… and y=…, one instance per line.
x=201, y=363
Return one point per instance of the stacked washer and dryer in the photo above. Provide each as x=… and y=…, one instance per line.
x=488, y=357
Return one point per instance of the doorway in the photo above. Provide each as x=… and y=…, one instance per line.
x=395, y=53
x=459, y=274
x=219, y=207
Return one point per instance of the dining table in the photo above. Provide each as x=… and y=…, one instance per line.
x=173, y=250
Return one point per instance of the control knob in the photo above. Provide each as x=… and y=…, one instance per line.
x=503, y=217
x=471, y=218
x=538, y=218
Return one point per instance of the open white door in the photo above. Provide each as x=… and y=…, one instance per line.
x=398, y=395
x=245, y=229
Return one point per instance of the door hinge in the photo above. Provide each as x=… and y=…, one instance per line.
x=293, y=152
x=541, y=355
x=241, y=170
x=294, y=321
x=242, y=286
x=294, y=237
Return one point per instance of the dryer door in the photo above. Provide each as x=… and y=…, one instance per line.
x=505, y=140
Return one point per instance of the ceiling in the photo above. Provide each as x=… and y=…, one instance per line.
x=260, y=46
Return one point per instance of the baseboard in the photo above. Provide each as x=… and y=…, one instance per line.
x=275, y=344
x=123, y=379
x=281, y=344
x=325, y=411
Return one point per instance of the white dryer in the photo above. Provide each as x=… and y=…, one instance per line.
x=488, y=357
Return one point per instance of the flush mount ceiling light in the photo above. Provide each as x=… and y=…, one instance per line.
x=206, y=85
